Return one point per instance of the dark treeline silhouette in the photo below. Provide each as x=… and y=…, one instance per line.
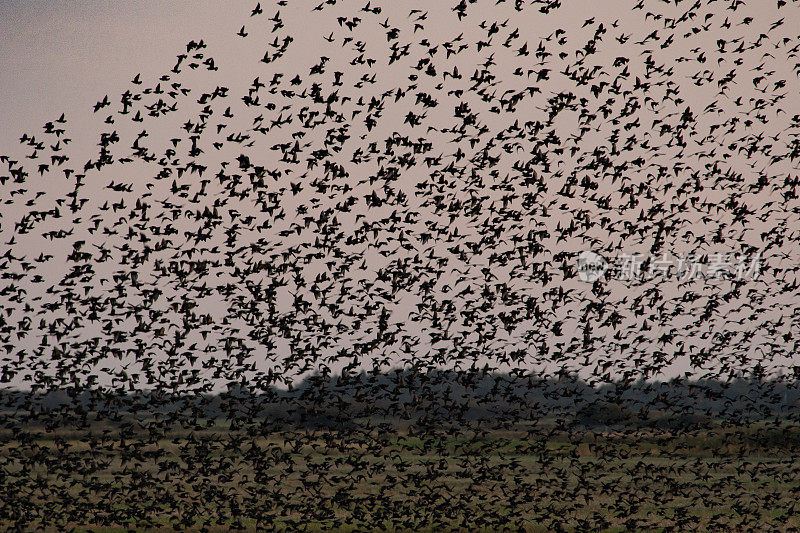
x=423, y=399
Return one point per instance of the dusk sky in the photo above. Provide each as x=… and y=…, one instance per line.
x=694, y=108
x=59, y=56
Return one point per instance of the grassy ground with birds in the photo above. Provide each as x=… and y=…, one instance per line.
x=224, y=478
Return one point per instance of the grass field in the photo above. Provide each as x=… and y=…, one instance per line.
x=735, y=478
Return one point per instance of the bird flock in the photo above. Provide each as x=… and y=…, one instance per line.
x=378, y=224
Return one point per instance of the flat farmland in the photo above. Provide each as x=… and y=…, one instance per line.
x=107, y=479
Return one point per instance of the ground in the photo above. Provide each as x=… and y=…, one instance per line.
x=734, y=477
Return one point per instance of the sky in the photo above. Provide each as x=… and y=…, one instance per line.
x=65, y=56
x=61, y=56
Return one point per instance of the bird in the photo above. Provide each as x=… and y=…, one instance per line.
x=457, y=271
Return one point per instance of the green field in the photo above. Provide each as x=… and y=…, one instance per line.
x=734, y=478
